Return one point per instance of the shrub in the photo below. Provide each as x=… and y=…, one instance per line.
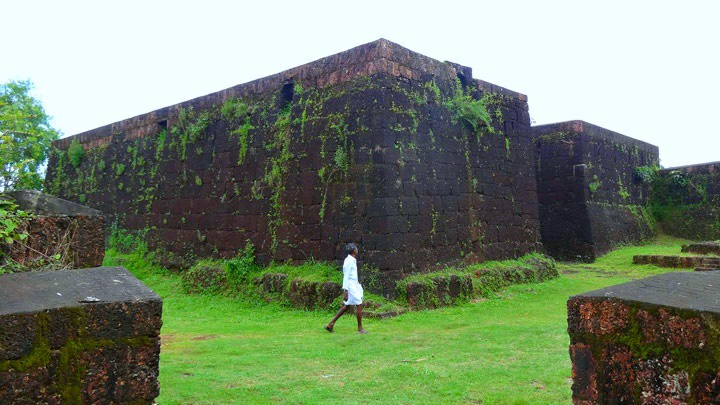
x=125, y=241
x=471, y=112
x=76, y=153
x=241, y=268
x=12, y=227
x=207, y=277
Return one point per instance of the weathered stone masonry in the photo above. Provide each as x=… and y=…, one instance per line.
x=686, y=201
x=590, y=197
x=73, y=231
x=365, y=145
x=88, y=336
x=647, y=341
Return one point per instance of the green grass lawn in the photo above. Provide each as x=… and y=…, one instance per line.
x=512, y=348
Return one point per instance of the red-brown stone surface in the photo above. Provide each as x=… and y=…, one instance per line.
x=669, y=261
x=648, y=341
x=57, y=227
x=361, y=146
x=598, y=318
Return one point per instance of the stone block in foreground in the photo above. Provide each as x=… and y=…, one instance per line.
x=78, y=336
x=57, y=226
x=654, y=340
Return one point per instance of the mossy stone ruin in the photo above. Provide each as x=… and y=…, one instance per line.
x=686, y=201
x=78, y=336
x=655, y=339
x=414, y=159
x=409, y=156
x=72, y=232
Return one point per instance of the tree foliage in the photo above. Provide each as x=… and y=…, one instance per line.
x=25, y=137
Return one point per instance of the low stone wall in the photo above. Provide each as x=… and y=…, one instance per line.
x=686, y=262
x=78, y=336
x=298, y=292
x=447, y=288
x=702, y=248
x=647, y=341
x=73, y=232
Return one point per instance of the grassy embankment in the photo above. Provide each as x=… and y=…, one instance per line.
x=510, y=348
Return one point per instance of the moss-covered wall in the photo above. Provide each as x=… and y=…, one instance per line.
x=411, y=157
x=590, y=196
x=686, y=201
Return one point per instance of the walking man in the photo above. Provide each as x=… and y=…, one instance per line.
x=352, y=290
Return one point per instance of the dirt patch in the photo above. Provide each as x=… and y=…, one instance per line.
x=167, y=338
x=204, y=337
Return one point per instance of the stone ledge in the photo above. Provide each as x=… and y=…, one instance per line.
x=702, y=248
x=34, y=292
x=444, y=289
x=57, y=226
x=686, y=262
x=683, y=290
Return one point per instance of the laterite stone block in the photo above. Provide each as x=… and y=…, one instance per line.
x=653, y=340
x=79, y=336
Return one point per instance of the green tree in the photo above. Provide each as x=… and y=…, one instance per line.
x=25, y=137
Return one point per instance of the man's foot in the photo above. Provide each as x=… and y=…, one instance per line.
x=329, y=328
x=362, y=331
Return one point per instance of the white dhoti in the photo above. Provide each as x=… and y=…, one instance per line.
x=355, y=294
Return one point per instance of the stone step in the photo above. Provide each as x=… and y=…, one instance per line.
x=712, y=260
x=703, y=268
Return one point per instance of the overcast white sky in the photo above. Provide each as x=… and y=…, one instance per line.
x=647, y=69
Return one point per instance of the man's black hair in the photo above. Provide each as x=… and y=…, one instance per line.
x=350, y=247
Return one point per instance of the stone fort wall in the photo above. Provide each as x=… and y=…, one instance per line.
x=686, y=201
x=369, y=145
x=590, y=197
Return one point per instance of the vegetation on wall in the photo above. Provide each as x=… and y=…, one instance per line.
x=336, y=135
x=470, y=111
x=681, y=203
x=75, y=153
x=594, y=185
x=12, y=226
x=269, y=131
x=237, y=113
x=190, y=125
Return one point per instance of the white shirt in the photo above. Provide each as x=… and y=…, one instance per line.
x=351, y=283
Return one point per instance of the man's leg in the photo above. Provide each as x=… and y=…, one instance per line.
x=331, y=325
x=359, y=311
